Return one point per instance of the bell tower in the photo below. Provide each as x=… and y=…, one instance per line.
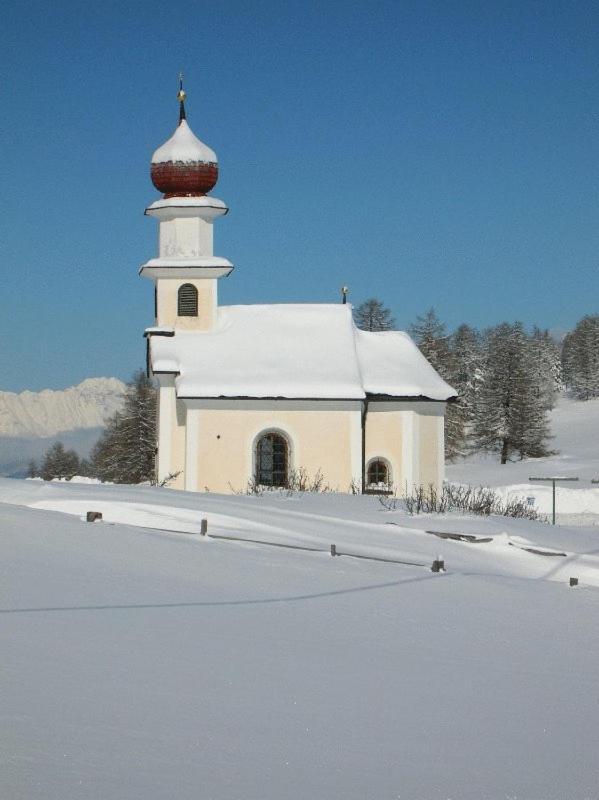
x=186, y=271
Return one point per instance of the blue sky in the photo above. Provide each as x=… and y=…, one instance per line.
x=430, y=154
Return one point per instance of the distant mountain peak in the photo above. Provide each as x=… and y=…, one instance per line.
x=52, y=411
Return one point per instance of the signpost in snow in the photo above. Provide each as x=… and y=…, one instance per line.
x=553, y=481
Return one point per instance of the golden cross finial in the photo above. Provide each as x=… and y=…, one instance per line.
x=181, y=98
x=181, y=93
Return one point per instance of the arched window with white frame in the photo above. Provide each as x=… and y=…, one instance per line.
x=378, y=473
x=272, y=459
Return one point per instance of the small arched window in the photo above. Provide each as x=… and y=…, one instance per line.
x=272, y=458
x=378, y=473
x=187, y=301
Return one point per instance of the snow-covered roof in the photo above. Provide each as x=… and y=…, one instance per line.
x=184, y=147
x=392, y=364
x=159, y=330
x=294, y=351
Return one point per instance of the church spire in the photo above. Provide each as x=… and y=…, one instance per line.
x=184, y=166
x=181, y=98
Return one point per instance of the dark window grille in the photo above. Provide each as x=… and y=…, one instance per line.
x=377, y=473
x=272, y=460
x=187, y=301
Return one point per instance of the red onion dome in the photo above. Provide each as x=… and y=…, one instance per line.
x=184, y=166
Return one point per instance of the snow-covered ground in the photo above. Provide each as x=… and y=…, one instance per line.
x=140, y=663
x=575, y=430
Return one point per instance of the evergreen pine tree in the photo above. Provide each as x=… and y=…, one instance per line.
x=511, y=413
x=126, y=451
x=59, y=463
x=546, y=369
x=580, y=359
x=85, y=468
x=430, y=335
x=32, y=470
x=464, y=373
x=105, y=457
x=372, y=315
x=466, y=368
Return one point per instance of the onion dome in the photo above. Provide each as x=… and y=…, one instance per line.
x=184, y=166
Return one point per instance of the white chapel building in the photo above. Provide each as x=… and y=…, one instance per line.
x=260, y=393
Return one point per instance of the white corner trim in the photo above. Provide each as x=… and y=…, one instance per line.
x=214, y=295
x=192, y=447
x=416, y=437
x=407, y=450
x=355, y=445
x=166, y=421
x=441, y=450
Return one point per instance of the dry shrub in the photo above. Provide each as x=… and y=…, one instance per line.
x=479, y=500
x=298, y=481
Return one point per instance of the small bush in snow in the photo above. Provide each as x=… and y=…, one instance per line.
x=478, y=500
x=298, y=481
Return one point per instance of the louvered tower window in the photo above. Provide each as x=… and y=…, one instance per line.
x=187, y=301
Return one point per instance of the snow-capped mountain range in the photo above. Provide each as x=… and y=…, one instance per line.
x=46, y=413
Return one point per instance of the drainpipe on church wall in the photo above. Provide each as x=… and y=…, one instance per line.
x=364, y=414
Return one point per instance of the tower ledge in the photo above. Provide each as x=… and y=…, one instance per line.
x=204, y=207
x=200, y=267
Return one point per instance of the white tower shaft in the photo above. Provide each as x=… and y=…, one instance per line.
x=185, y=257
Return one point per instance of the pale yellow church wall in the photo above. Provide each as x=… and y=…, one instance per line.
x=409, y=436
x=178, y=447
x=322, y=436
x=432, y=455
x=171, y=433
x=384, y=438
x=167, y=289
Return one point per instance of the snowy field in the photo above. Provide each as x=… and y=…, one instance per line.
x=575, y=430
x=139, y=663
